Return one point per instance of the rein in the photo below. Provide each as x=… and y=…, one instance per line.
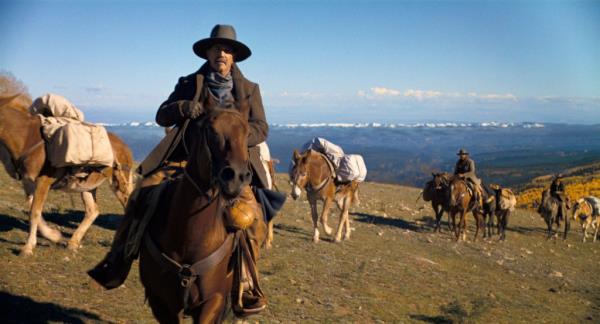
x=310, y=188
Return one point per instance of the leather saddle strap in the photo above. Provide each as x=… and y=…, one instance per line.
x=198, y=268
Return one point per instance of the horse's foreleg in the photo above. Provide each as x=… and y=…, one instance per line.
x=343, y=213
x=596, y=231
x=211, y=311
x=42, y=187
x=269, y=240
x=567, y=226
x=346, y=214
x=315, y=218
x=438, y=217
x=463, y=226
x=29, y=188
x=479, y=222
x=454, y=227
x=163, y=314
x=122, y=185
x=91, y=213
x=505, y=216
x=325, y=215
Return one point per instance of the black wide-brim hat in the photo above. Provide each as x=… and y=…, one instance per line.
x=223, y=34
x=462, y=152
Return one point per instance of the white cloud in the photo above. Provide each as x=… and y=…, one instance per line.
x=422, y=94
x=380, y=91
x=376, y=93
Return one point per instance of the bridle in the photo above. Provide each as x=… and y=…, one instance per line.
x=308, y=186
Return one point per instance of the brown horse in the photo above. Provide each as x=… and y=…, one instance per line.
x=436, y=191
x=192, y=272
x=24, y=157
x=314, y=173
x=461, y=202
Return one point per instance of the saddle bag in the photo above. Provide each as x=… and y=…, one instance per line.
x=352, y=168
x=333, y=152
x=78, y=143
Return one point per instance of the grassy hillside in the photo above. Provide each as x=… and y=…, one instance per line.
x=392, y=270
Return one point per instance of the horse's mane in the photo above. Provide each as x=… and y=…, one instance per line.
x=14, y=92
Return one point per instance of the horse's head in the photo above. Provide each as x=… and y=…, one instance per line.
x=219, y=151
x=458, y=192
x=299, y=172
x=13, y=93
x=439, y=180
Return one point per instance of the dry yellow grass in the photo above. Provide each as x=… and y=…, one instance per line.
x=393, y=269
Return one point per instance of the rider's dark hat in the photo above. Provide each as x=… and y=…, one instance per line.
x=462, y=152
x=223, y=34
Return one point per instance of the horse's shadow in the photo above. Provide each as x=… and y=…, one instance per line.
x=380, y=220
x=21, y=309
x=67, y=219
x=72, y=218
x=7, y=223
x=431, y=319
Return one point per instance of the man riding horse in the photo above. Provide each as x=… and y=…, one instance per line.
x=221, y=80
x=557, y=190
x=465, y=168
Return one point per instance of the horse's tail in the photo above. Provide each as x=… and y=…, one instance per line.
x=419, y=196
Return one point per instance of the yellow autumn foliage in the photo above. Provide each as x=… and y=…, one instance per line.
x=576, y=188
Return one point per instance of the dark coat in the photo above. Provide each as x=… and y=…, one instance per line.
x=191, y=87
x=467, y=168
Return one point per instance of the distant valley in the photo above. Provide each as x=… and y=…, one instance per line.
x=511, y=154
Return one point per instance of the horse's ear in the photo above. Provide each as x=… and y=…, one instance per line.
x=296, y=155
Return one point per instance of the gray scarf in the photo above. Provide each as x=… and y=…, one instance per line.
x=220, y=86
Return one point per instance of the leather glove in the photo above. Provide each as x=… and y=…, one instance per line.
x=190, y=109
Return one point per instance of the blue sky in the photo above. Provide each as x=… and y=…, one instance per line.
x=320, y=61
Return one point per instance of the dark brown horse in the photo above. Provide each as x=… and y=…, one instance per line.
x=461, y=202
x=314, y=173
x=192, y=273
x=436, y=191
x=24, y=156
x=506, y=202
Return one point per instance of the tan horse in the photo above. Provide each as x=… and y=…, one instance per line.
x=24, y=157
x=461, y=202
x=583, y=212
x=185, y=263
x=313, y=173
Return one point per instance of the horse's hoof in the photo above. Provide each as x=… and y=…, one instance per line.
x=73, y=246
x=327, y=229
x=26, y=251
x=337, y=239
